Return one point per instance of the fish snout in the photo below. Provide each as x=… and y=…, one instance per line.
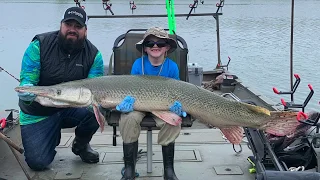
x=19, y=89
x=33, y=90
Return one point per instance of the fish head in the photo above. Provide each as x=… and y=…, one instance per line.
x=59, y=96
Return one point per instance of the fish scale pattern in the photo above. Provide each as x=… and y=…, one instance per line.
x=158, y=93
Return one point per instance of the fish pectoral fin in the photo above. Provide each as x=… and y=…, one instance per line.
x=258, y=109
x=99, y=117
x=234, y=134
x=168, y=117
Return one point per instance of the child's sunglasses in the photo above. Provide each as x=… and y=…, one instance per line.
x=150, y=44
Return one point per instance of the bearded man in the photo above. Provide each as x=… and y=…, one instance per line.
x=52, y=58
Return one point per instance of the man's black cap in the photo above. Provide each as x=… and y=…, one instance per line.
x=76, y=13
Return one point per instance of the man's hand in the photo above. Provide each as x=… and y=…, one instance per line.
x=25, y=96
x=177, y=108
x=126, y=105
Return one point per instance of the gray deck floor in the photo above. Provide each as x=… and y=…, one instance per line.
x=201, y=153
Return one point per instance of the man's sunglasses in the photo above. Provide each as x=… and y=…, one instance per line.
x=150, y=44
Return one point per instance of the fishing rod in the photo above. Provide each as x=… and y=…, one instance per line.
x=193, y=7
x=78, y=3
x=220, y=5
x=2, y=69
x=132, y=6
x=106, y=4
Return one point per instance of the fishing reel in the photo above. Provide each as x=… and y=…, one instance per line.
x=193, y=7
x=195, y=4
x=220, y=4
x=106, y=4
x=78, y=3
x=132, y=6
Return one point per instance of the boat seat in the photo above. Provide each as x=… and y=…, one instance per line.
x=124, y=55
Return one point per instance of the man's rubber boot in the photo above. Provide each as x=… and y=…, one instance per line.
x=130, y=151
x=82, y=148
x=168, y=161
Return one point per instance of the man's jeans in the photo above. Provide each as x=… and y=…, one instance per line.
x=40, y=139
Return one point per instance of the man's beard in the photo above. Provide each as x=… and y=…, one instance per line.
x=70, y=45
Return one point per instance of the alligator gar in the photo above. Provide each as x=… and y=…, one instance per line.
x=156, y=94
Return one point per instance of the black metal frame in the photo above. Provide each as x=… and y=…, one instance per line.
x=262, y=151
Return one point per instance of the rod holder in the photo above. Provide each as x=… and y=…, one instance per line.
x=223, y=66
x=291, y=104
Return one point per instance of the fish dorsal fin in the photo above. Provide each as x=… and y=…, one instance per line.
x=258, y=109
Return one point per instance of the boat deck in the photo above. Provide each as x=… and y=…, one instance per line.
x=201, y=153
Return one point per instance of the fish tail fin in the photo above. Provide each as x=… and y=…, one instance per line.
x=281, y=123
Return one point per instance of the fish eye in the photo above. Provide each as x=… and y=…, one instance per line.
x=59, y=92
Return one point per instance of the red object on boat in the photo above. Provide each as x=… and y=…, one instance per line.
x=301, y=114
x=3, y=123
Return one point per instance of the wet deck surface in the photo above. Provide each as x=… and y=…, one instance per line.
x=201, y=153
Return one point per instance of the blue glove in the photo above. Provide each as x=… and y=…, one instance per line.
x=177, y=108
x=126, y=105
x=25, y=96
